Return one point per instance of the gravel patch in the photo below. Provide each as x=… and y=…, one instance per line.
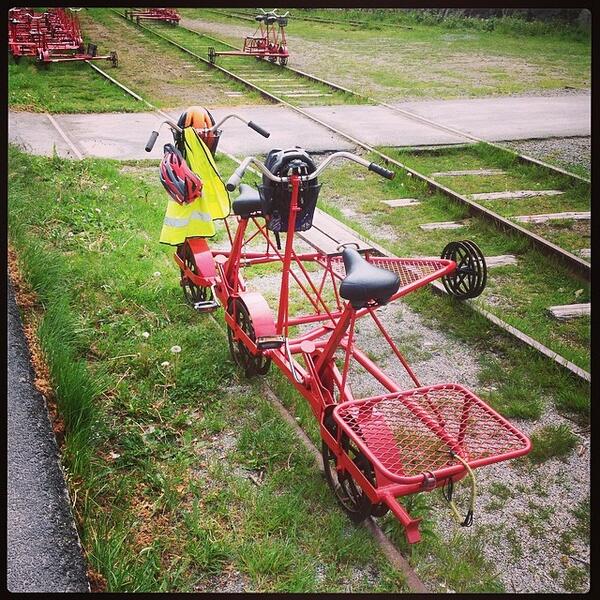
x=230, y=582
x=524, y=511
x=523, y=534
x=567, y=151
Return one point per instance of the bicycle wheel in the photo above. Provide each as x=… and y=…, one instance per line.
x=193, y=293
x=349, y=494
x=251, y=365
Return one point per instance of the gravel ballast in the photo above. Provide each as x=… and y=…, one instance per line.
x=529, y=534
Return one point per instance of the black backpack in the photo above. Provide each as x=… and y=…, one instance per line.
x=276, y=197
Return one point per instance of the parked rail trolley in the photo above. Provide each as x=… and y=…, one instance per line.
x=268, y=41
x=167, y=15
x=376, y=447
x=51, y=37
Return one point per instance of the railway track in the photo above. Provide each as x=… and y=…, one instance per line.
x=298, y=99
x=581, y=267
x=409, y=114
x=392, y=553
x=355, y=23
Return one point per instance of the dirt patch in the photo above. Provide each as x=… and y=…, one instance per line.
x=97, y=581
x=231, y=581
x=31, y=314
x=171, y=85
x=391, y=67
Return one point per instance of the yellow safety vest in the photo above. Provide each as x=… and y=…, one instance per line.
x=196, y=219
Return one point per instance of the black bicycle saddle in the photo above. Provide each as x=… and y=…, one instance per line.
x=247, y=203
x=365, y=282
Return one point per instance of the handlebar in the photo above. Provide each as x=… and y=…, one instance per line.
x=151, y=141
x=258, y=129
x=381, y=171
x=238, y=174
x=215, y=127
x=273, y=12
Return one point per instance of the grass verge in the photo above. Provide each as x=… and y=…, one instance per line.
x=437, y=62
x=183, y=479
x=65, y=88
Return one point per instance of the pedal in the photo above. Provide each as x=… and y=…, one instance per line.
x=269, y=342
x=206, y=306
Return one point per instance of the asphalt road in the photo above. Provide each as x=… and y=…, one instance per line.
x=123, y=136
x=43, y=549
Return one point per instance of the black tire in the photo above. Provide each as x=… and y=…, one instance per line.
x=350, y=496
x=470, y=276
x=241, y=356
x=192, y=293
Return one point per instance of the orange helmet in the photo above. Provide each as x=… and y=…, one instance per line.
x=199, y=118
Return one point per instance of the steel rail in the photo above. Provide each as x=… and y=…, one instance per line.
x=412, y=115
x=575, y=263
x=513, y=331
x=247, y=17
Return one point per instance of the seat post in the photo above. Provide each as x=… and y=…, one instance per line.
x=282, y=316
x=339, y=332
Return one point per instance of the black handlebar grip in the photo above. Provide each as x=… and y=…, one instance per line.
x=381, y=171
x=151, y=141
x=258, y=129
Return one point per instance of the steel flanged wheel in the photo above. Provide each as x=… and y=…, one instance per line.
x=349, y=494
x=212, y=55
x=193, y=293
x=252, y=365
x=469, y=278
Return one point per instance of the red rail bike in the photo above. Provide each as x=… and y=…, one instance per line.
x=376, y=446
x=268, y=41
x=166, y=15
x=50, y=37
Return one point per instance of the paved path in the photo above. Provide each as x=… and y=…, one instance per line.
x=123, y=136
x=43, y=551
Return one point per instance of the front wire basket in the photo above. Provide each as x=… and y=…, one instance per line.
x=411, y=433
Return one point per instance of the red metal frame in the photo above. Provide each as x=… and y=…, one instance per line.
x=52, y=36
x=268, y=41
x=168, y=15
x=407, y=435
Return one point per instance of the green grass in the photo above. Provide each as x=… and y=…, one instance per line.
x=65, y=88
x=551, y=441
x=576, y=194
x=160, y=462
x=436, y=61
x=158, y=457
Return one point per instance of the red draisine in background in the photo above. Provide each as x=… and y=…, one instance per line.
x=50, y=37
x=377, y=448
x=268, y=41
x=167, y=15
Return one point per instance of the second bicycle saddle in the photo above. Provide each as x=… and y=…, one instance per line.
x=365, y=282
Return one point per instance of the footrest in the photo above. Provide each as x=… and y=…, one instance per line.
x=411, y=433
x=269, y=342
x=206, y=306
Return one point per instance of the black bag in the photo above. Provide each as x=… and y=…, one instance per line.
x=276, y=197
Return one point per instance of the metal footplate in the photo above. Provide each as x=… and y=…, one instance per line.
x=269, y=342
x=206, y=306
